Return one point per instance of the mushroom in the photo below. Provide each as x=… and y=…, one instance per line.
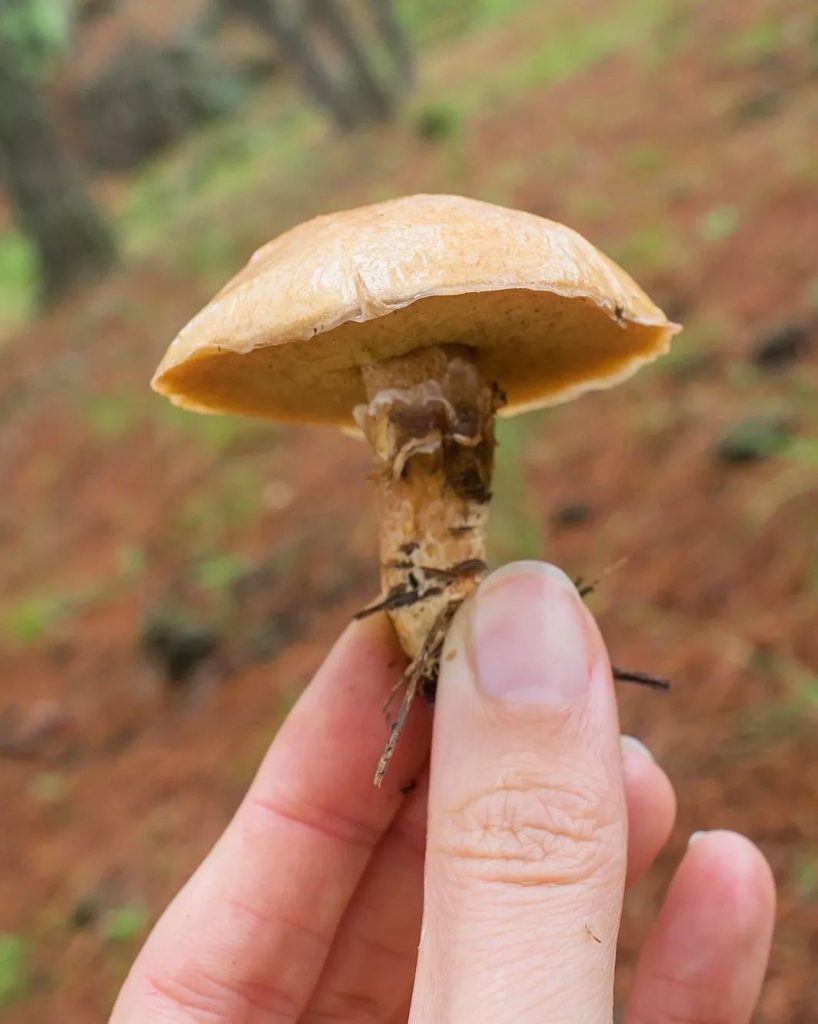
x=415, y=322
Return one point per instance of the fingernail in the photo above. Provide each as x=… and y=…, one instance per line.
x=695, y=837
x=637, y=746
x=529, y=636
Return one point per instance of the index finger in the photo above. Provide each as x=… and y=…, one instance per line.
x=250, y=932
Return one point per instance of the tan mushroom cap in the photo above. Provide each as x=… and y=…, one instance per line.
x=546, y=314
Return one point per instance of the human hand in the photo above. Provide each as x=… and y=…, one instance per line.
x=309, y=906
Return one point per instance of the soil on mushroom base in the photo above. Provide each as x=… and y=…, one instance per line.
x=258, y=538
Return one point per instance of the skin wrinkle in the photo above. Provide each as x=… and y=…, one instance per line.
x=196, y=986
x=538, y=791
x=510, y=951
x=345, y=1008
x=693, y=980
x=377, y=940
x=409, y=841
x=329, y=824
x=487, y=917
x=510, y=961
x=530, y=831
x=510, y=958
x=207, y=1000
x=274, y=919
x=564, y=924
x=680, y=990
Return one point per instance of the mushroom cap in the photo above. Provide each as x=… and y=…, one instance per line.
x=546, y=314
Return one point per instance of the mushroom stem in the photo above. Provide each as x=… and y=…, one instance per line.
x=430, y=423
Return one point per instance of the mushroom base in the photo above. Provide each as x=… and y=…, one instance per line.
x=430, y=423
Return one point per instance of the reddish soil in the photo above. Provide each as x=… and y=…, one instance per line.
x=694, y=170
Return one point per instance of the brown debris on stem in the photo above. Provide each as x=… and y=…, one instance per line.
x=420, y=677
x=430, y=423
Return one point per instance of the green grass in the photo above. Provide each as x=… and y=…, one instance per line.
x=222, y=507
x=123, y=930
x=578, y=45
x=765, y=502
x=653, y=247
x=437, y=21
x=558, y=50
x=34, y=616
x=111, y=418
x=227, y=159
x=18, y=281
x=13, y=971
x=218, y=434
x=671, y=37
x=805, y=876
x=700, y=338
x=211, y=255
x=437, y=121
x=764, y=38
x=514, y=532
x=220, y=572
x=793, y=714
x=591, y=206
x=43, y=611
x=798, y=682
x=131, y=562
x=51, y=788
x=574, y=43
x=812, y=573
x=755, y=438
x=803, y=451
x=646, y=159
x=719, y=223
x=126, y=924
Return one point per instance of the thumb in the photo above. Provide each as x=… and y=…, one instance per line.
x=526, y=847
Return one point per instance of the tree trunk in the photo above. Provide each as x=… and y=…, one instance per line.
x=375, y=99
x=294, y=45
x=390, y=28
x=45, y=186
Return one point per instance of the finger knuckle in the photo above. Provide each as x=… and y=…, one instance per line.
x=671, y=998
x=530, y=830
x=344, y=998
x=203, y=999
x=662, y=1015
x=345, y=1008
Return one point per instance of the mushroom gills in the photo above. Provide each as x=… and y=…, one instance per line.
x=430, y=423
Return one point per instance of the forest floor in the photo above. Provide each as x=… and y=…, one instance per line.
x=136, y=538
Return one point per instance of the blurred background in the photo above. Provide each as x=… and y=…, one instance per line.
x=169, y=582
